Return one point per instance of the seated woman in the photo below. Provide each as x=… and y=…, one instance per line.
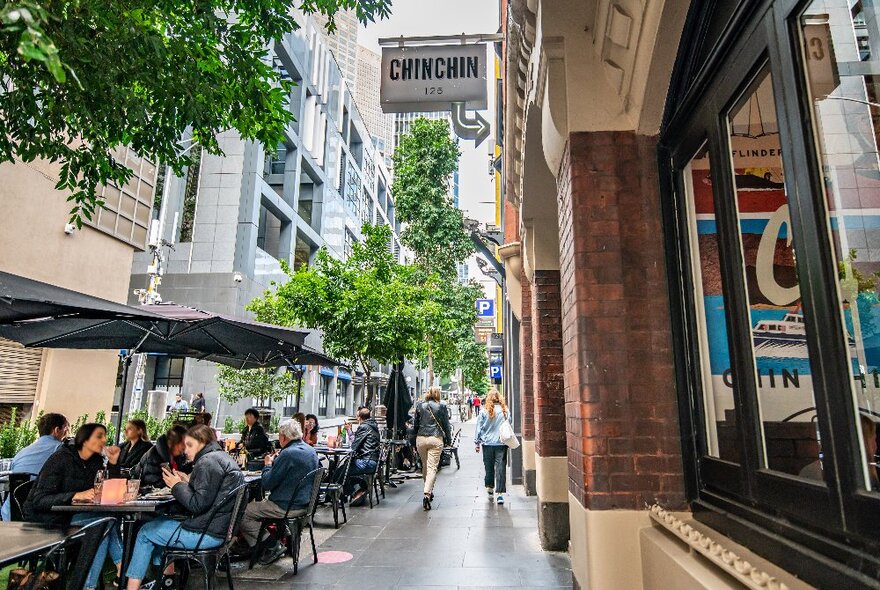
x=310, y=430
x=169, y=448
x=137, y=443
x=68, y=477
x=215, y=474
x=253, y=437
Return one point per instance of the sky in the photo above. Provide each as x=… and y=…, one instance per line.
x=414, y=18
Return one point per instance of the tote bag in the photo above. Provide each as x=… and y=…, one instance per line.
x=507, y=435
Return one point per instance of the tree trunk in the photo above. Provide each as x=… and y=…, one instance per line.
x=430, y=363
x=368, y=401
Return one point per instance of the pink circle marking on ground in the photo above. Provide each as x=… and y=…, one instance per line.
x=334, y=557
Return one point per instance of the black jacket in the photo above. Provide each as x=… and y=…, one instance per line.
x=255, y=440
x=366, y=441
x=149, y=469
x=432, y=419
x=131, y=453
x=215, y=474
x=63, y=475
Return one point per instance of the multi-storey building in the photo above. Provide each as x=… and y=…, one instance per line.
x=366, y=94
x=255, y=207
x=35, y=243
x=342, y=42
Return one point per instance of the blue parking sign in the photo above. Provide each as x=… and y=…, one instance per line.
x=495, y=372
x=485, y=308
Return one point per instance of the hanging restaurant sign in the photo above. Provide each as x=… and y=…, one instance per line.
x=430, y=78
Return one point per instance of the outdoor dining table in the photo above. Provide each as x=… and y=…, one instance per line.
x=334, y=456
x=19, y=540
x=129, y=514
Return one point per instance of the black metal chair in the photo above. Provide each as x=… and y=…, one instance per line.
x=20, y=485
x=452, y=449
x=374, y=480
x=67, y=558
x=292, y=525
x=209, y=559
x=334, y=492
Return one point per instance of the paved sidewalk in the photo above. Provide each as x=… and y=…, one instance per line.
x=464, y=542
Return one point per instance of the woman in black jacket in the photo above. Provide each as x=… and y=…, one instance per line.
x=169, y=448
x=253, y=437
x=137, y=443
x=68, y=477
x=214, y=476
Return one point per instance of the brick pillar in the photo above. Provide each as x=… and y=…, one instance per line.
x=527, y=371
x=548, y=392
x=623, y=434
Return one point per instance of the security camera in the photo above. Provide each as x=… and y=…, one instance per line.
x=69, y=229
x=237, y=277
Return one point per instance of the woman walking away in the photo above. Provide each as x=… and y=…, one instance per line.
x=432, y=432
x=215, y=475
x=494, y=450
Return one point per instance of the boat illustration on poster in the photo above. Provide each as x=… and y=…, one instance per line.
x=784, y=338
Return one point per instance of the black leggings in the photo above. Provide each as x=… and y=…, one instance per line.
x=495, y=462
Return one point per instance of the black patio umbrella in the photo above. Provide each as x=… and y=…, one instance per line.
x=397, y=402
x=23, y=299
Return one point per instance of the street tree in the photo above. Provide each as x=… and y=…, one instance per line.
x=262, y=384
x=367, y=307
x=424, y=162
x=474, y=366
x=80, y=78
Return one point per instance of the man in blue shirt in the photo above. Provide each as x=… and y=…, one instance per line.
x=281, y=477
x=53, y=429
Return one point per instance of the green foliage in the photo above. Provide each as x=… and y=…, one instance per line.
x=866, y=283
x=82, y=78
x=261, y=384
x=367, y=307
x=231, y=426
x=16, y=434
x=450, y=322
x=155, y=427
x=475, y=367
x=423, y=165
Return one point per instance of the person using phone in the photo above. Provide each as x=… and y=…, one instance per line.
x=168, y=450
x=214, y=477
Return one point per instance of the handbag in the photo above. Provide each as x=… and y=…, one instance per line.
x=508, y=437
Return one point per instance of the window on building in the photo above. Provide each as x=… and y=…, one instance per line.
x=348, y=245
x=324, y=395
x=777, y=188
x=269, y=233
x=168, y=374
x=341, y=399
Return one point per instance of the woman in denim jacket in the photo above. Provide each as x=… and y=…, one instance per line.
x=494, y=450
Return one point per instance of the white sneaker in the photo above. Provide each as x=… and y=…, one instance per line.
x=499, y=500
x=491, y=493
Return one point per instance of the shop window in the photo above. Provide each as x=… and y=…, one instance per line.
x=711, y=311
x=323, y=395
x=341, y=391
x=778, y=331
x=846, y=119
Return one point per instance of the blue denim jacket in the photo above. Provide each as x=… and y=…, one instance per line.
x=488, y=429
x=31, y=460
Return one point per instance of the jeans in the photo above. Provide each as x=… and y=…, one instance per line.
x=495, y=462
x=157, y=534
x=359, y=467
x=112, y=543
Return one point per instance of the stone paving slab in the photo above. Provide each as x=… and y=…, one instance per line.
x=464, y=542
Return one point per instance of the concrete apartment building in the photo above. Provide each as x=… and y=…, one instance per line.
x=366, y=94
x=253, y=207
x=95, y=260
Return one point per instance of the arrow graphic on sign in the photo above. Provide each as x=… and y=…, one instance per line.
x=477, y=129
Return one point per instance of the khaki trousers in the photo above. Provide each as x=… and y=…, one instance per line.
x=430, y=448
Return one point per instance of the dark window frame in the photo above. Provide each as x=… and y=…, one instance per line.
x=324, y=395
x=752, y=504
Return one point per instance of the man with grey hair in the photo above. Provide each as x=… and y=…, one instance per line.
x=282, y=474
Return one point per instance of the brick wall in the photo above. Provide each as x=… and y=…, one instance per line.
x=526, y=365
x=548, y=385
x=622, y=426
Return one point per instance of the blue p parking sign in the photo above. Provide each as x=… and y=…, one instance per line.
x=495, y=372
x=485, y=308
